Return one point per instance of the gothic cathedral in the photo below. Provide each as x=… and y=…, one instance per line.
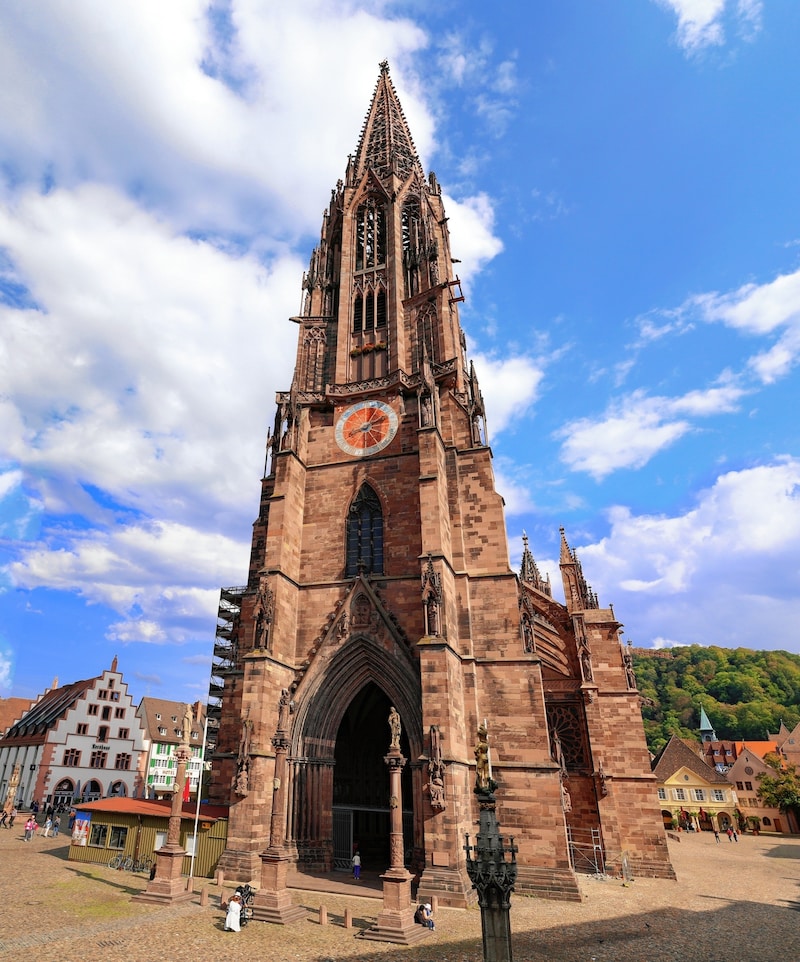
x=379, y=578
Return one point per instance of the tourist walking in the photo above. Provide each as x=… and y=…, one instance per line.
x=56, y=825
x=357, y=867
x=48, y=824
x=4, y=819
x=13, y=816
x=30, y=828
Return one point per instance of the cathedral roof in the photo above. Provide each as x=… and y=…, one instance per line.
x=386, y=145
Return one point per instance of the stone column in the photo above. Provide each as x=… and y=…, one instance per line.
x=168, y=885
x=395, y=923
x=272, y=902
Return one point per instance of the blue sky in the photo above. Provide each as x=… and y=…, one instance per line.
x=621, y=181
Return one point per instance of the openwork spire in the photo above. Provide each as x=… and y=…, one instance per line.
x=385, y=145
x=529, y=570
x=579, y=595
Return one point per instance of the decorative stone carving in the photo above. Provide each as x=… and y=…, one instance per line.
x=627, y=660
x=241, y=784
x=483, y=771
x=262, y=616
x=436, y=771
x=395, y=727
x=431, y=598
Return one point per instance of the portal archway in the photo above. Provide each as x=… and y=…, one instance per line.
x=340, y=710
x=361, y=813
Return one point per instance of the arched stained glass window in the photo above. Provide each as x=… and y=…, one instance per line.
x=364, y=534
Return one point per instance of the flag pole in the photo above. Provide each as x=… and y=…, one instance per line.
x=199, y=793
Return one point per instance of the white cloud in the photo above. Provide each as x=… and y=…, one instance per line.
x=510, y=386
x=124, y=99
x=761, y=310
x=6, y=667
x=140, y=571
x=128, y=377
x=698, y=21
x=472, y=233
x=515, y=492
x=701, y=23
x=724, y=572
x=634, y=429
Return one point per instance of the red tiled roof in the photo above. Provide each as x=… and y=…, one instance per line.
x=156, y=807
x=11, y=709
x=677, y=754
x=35, y=724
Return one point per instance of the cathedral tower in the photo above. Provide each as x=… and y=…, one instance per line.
x=379, y=577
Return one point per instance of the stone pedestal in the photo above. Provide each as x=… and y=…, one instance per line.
x=169, y=885
x=395, y=923
x=396, y=920
x=273, y=903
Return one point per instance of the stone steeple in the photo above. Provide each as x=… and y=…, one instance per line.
x=385, y=146
x=379, y=576
x=529, y=570
x=578, y=594
x=380, y=306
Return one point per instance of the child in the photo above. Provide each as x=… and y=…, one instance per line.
x=357, y=867
x=233, y=914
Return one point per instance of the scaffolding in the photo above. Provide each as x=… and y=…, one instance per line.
x=586, y=852
x=224, y=660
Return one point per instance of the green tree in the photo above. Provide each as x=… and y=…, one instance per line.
x=781, y=790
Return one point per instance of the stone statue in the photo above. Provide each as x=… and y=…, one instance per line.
x=284, y=707
x=394, y=727
x=188, y=723
x=482, y=774
x=241, y=784
x=436, y=769
x=627, y=659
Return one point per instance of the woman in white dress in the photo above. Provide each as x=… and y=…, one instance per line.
x=234, y=914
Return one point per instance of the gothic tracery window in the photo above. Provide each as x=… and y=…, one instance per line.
x=568, y=722
x=314, y=359
x=364, y=534
x=412, y=244
x=427, y=335
x=370, y=235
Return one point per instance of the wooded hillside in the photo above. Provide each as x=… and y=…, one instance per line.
x=745, y=693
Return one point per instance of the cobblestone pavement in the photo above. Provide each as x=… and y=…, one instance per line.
x=731, y=903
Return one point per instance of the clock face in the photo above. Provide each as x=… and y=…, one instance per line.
x=365, y=428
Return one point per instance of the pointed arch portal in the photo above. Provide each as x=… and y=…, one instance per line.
x=340, y=793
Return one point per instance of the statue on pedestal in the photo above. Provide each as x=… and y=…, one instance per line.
x=395, y=727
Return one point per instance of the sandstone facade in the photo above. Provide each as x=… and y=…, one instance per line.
x=379, y=577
